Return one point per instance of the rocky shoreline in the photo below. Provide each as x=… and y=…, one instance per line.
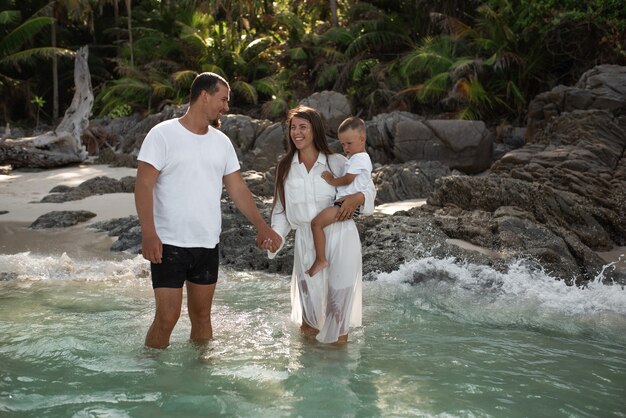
x=553, y=194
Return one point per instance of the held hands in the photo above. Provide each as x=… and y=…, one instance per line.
x=268, y=239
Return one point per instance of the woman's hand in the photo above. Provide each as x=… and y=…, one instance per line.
x=268, y=239
x=348, y=205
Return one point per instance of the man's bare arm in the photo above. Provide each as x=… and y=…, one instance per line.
x=241, y=196
x=151, y=246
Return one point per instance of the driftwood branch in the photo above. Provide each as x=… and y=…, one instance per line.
x=63, y=145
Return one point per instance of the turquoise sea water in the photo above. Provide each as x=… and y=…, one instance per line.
x=473, y=343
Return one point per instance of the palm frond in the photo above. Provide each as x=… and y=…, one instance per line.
x=161, y=88
x=184, y=77
x=30, y=54
x=124, y=91
x=297, y=53
x=468, y=113
x=456, y=28
x=327, y=76
x=12, y=42
x=362, y=68
x=339, y=36
x=477, y=95
x=374, y=41
x=9, y=16
x=265, y=85
x=245, y=90
x=214, y=69
x=435, y=87
x=434, y=55
x=256, y=47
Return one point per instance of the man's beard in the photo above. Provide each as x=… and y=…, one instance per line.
x=217, y=123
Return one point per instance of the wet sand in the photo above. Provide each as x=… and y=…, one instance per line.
x=20, y=193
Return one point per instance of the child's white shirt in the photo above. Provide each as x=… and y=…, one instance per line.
x=361, y=165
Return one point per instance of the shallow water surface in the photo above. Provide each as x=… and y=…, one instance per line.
x=473, y=343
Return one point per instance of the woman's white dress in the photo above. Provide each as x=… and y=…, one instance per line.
x=331, y=300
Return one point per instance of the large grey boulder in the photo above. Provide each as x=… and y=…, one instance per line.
x=400, y=137
x=243, y=131
x=333, y=106
x=267, y=148
x=460, y=144
x=381, y=133
x=603, y=88
x=411, y=180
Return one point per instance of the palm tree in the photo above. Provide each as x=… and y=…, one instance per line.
x=476, y=71
x=130, y=31
x=12, y=54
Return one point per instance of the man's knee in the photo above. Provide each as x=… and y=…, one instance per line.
x=166, y=320
x=199, y=315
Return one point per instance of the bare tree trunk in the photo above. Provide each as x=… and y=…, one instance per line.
x=63, y=145
x=333, y=12
x=55, y=76
x=130, y=33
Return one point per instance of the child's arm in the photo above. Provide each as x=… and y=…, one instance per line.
x=339, y=181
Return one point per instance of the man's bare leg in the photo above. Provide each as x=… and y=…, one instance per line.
x=199, y=302
x=321, y=221
x=167, y=311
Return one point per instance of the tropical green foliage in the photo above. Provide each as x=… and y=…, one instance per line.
x=17, y=54
x=462, y=58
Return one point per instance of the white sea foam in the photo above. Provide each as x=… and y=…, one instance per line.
x=522, y=295
x=27, y=266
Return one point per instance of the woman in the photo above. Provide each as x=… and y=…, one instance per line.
x=327, y=304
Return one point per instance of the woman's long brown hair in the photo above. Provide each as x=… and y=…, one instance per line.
x=319, y=141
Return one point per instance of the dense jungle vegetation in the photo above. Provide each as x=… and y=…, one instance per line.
x=452, y=58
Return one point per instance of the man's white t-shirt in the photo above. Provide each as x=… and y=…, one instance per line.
x=188, y=191
x=361, y=165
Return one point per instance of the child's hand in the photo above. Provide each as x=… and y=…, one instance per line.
x=328, y=176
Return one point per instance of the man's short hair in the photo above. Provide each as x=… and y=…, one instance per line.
x=352, y=122
x=206, y=81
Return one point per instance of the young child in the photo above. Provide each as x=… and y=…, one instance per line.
x=358, y=176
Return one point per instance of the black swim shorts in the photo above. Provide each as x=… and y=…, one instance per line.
x=197, y=265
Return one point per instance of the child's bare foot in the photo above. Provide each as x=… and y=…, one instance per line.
x=318, y=265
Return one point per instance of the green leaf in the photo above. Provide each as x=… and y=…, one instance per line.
x=246, y=91
x=30, y=54
x=297, y=53
x=12, y=42
x=9, y=16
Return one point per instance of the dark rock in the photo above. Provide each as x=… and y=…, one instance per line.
x=410, y=180
x=61, y=219
x=7, y=276
x=95, y=186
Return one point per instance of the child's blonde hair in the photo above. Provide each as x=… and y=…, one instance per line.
x=352, y=122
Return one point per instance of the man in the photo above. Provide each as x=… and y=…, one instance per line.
x=182, y=165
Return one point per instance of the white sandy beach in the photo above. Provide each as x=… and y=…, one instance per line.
x=21, y=192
